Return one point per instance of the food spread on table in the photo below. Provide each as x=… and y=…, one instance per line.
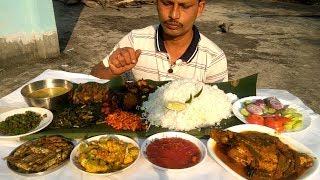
x=20, y=123
x=256, y=155
x=40, y=154
x=108, y=154
x=179, y=105
x=272, y=113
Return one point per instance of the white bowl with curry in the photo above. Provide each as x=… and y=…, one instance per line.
x=105, y=154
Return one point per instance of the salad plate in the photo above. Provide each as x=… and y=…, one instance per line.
x=296, y=118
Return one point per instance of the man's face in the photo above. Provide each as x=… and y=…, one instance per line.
x=178, y=16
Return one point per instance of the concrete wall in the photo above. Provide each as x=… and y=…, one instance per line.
x=27, y=31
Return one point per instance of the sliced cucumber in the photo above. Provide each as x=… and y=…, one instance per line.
x=289, y=125
x=271, y=110
x=289, y=111
x=296, y=119
x=297, y=125
x=288, y=116
x=296, y=115
x=244, y=112
x=246, y=102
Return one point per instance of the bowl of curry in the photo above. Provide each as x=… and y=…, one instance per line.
x=173, y=151
x=105, y=154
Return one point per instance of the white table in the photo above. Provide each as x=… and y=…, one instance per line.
x=209, y=169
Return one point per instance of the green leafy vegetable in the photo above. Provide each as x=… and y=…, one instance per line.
x=20, y=123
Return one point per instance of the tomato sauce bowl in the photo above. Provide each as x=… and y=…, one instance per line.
x=173, y=151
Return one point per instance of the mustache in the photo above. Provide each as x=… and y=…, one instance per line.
x=173, y=22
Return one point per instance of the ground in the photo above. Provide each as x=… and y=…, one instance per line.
x=280, y=41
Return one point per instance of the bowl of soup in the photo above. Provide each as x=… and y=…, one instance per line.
x=49, y=93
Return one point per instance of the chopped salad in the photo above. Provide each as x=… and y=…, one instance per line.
x=272, y=113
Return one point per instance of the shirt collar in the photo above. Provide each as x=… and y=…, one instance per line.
x=191, y=51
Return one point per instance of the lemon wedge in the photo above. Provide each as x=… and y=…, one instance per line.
x=175, y=106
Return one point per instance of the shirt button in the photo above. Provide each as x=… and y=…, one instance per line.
x=179, y=62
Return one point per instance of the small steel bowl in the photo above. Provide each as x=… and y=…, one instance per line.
x=52, y=102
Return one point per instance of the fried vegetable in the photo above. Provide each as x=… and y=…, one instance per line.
x=106, y=155
x=20, y=123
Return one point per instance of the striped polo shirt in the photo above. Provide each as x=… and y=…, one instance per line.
x=203, y=60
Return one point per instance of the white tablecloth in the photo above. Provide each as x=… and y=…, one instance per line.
x=209, y=169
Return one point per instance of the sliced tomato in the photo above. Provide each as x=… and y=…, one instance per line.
x=255, y=119
x=283, y=119
x=274, y=123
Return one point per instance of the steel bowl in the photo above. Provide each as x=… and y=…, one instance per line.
x=50, y=102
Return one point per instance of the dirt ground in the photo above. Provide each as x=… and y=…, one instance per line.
x=280, y=41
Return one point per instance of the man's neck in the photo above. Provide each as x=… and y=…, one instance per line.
x=176, y=46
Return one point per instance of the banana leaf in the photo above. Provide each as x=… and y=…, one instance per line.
x=242, y=88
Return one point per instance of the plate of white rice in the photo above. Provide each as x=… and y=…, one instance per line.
x=207, y=107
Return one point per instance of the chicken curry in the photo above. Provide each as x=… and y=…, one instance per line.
x=256, y=155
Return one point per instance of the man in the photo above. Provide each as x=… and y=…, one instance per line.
x=172, y=50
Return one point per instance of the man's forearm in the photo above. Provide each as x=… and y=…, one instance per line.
x=102, y=72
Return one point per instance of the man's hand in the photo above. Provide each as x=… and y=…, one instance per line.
x=123, y=59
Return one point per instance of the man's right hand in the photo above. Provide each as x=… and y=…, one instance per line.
x=123, y=59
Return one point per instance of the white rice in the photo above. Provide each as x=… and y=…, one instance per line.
x=208, y=109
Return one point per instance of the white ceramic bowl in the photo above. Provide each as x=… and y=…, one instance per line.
x=43, y=123
x=75, y=153
x=181, y=135
x=285, y=139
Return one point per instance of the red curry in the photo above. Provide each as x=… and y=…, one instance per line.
x=173, y=153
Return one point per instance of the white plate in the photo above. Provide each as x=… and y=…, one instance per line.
x=43, y=123
x=236, y=107
x=285, y=139
x=75, y=153
x=185, y=136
